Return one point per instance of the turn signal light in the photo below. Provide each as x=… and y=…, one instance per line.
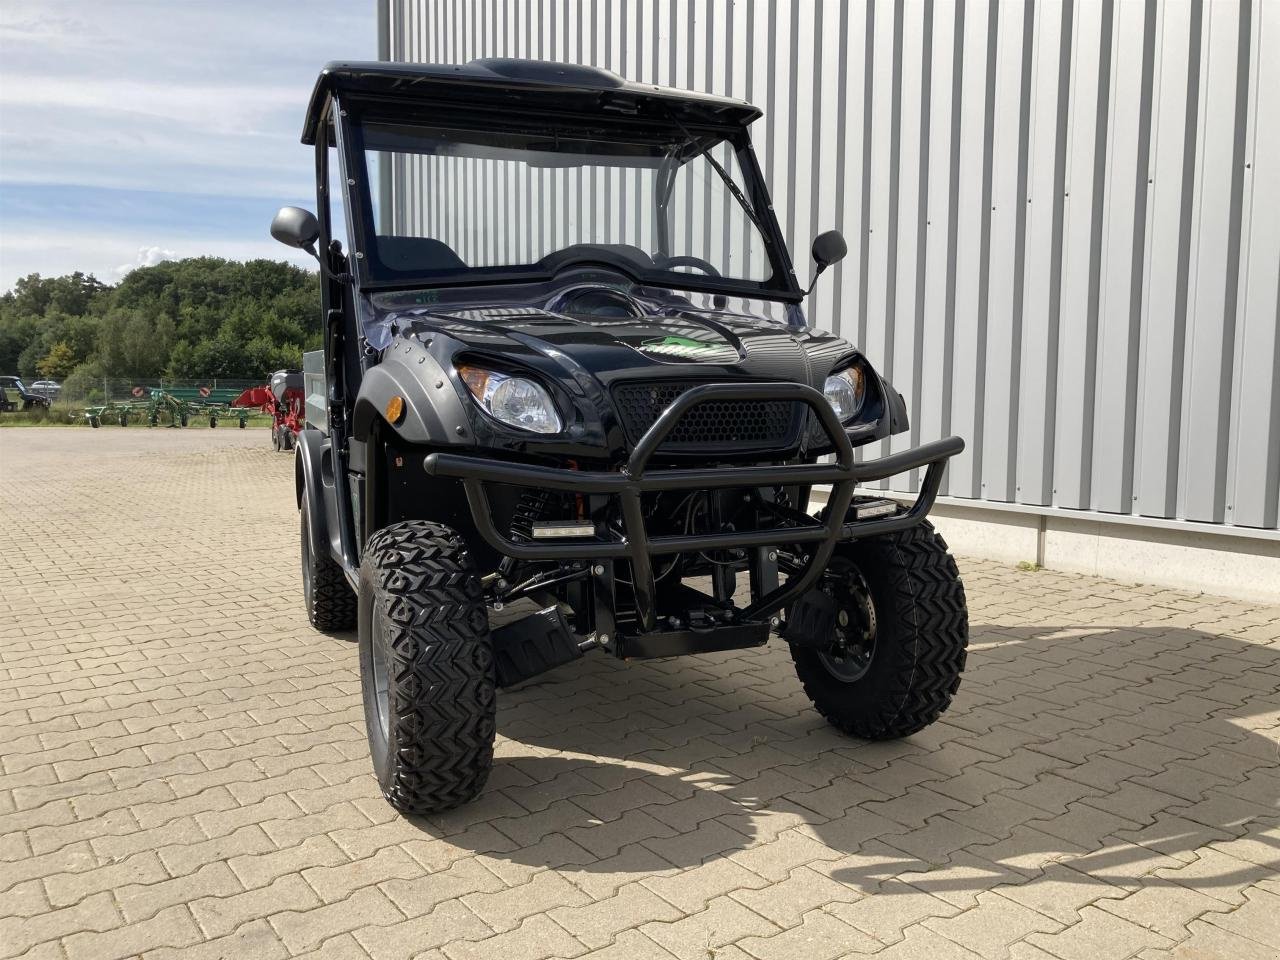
x=395, y=410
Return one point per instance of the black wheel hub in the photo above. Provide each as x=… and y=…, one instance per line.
x=854, y=645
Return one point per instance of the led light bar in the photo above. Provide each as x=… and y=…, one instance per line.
x=549, y=531
x=876, y=508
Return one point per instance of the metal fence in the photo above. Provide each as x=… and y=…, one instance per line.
x=116, y=389
x=1058, y=247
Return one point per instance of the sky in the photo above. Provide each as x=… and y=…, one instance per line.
x=134, y=131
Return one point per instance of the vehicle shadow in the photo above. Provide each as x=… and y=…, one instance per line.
x=1082, y=755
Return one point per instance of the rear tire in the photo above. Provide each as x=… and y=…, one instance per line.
x=919, y=626
x=426, y=668
x=329, y=599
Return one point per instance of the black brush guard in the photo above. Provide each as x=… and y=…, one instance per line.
x=633, y=480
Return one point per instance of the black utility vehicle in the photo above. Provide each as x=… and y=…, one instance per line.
x=15, y=396
x=565, y=360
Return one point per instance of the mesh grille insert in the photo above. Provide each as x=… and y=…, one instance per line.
x=715, y=424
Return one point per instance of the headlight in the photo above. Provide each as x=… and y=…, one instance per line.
x=845, y=391
x=516, y=401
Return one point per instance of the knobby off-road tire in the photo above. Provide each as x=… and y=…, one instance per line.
x=921, y=634
x=426, y=667
x=329, y=599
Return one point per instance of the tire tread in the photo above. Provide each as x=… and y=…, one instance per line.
x=927, y=598
x=442, y=716
x=333, y=603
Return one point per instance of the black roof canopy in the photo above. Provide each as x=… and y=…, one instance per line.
x=522, y=86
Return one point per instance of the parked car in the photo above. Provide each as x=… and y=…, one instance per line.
x=15, y=396
x=47, y=388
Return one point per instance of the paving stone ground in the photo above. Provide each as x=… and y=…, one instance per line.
x=184, y=770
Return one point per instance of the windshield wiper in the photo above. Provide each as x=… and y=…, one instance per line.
x=730, y=185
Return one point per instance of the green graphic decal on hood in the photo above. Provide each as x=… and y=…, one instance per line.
x=689, y=349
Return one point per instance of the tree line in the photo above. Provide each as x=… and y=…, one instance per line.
x=199, y=318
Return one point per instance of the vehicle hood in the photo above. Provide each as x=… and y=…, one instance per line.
x=675, y=344
x=583, y=361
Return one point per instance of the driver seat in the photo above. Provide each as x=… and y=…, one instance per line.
x=412, y=254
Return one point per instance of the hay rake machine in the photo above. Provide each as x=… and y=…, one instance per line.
x=178, y=405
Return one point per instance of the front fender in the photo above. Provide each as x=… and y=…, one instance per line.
x=313, y=478
x=895, y=408
x=433, y=411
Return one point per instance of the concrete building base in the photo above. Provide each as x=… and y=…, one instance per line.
x=1179, y=554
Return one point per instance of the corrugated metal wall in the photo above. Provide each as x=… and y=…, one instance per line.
x=1063, y=218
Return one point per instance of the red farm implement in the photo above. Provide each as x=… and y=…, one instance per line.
x=282, y=400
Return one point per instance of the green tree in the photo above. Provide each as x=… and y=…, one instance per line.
x=17, y=331
x=72, y=294
x=201, y=317
x=58, y=362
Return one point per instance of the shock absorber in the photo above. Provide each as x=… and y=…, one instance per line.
x=531, y=508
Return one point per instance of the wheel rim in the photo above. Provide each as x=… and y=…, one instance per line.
x=307, y=588
x=380, y=662
x=856, y=629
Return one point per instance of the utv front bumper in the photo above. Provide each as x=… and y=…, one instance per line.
x=639, y=549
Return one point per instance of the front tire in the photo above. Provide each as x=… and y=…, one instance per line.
x=329, y=599
x=426, y=668
x=897, y=663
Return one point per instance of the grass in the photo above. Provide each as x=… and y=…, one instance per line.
x=72, y=415
x=59, y=415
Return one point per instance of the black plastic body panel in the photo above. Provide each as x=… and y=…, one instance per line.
x=328, y=504
x=532, y=645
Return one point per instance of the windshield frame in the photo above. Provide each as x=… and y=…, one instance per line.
x=350, y=114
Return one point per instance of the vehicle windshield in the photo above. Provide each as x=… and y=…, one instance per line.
x=462, y=204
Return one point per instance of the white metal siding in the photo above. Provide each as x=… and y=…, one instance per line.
x=1059, y=244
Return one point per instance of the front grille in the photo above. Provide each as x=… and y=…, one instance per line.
x=717, y=425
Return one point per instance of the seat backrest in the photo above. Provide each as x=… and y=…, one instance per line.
x=412, y=254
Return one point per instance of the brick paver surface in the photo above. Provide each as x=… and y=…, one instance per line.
x=185, y=770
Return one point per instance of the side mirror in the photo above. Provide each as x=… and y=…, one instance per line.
x=828, y=248
x=295, y=227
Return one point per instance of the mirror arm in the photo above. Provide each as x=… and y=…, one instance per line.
x=813, y=281
x=325, y=270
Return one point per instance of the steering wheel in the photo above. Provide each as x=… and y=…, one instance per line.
x=687, y=261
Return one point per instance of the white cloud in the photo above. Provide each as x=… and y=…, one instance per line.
x=147, y=257
x=214, y=106
x=109, y=255
x=159, y=96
